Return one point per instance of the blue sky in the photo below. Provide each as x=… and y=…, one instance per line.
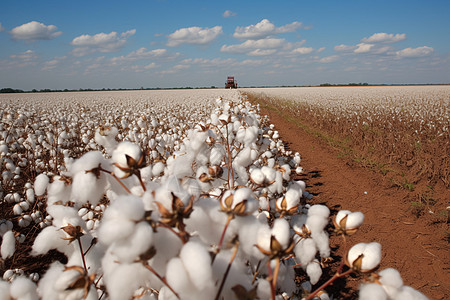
x=174, y=43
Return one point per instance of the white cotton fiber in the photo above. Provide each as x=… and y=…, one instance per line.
x=49, y=238
x=87, y=188
x=322, y=243
x=319, y=210
x=257, y=176
x=8, y=245
x=128, y=250
x=4, y=290
x=372, y=291
x=88, y=161
x=263, y=290
x=354, y=220
x=178, y=277
x=281, y=231
x=124, y=280
x=305, y=251
x=408, y=293
x=316, y=223
x=371, y=252
x=197, y=263
x=40, y=184
x=22, y=288
x=292, y=198
x=314, y=271
x=391, y=280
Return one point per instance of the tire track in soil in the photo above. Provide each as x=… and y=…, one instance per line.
x=414, y=246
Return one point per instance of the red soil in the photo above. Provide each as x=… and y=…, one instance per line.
x=416, y=246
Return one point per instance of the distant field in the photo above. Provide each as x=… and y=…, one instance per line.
x=404, y=125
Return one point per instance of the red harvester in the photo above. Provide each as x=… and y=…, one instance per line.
x=231, y=83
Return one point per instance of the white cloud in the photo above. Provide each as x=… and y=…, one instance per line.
x=1, y=27
x=142, y=53
x=383, y=37
x=261, y=52
x=264, y=29
x=344, y=48
x=415, y=52
x=194, y=35
x=27, y=58
x=35, y=31
x=102, y=42
x=228, y=13
x=328, y=59
x=363, y=48
x=252, y=45
x=303, y=50
x=320, y=49
x=138, y=68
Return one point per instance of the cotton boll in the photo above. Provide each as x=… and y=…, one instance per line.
x=371, y=255
x=49, y=238
x=316, y=223
x=319, y=210
x=8, y=245
x=391, y=281
x=139, y=242
x=264, y=289
x=408, y=293
x=322, y=242
x=372, y=291
x=314, y=271
x=30, y=195
x=23, y=288
x=305, y=251
x=58, y=190
x=281, y=231
x=89, y=161
x=292, y=197
x=178, y=277
x=17, y=209
x=197, y=262
x=247, y=226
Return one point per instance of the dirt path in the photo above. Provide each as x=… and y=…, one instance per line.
x=414, y=246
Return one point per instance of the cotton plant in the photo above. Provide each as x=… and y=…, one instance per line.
x=169, y=207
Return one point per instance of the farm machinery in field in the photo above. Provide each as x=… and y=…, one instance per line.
x=231, y=83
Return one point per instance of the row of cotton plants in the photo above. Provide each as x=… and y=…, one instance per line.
x=403, y=124
x=169, y=204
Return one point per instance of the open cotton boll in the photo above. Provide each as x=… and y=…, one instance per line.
x=245, y=194
x=319, y=210
x=305, y=251
x=314, y=271
x=316, y=223
x=58, y=190
x=49, y=238
x=322, y=243
x=178, y=278
x=257, y=176
x=124, y=149
x=408, y=293
x=372, y=291
x=122, y=280
x=292, y=197
x=391, y=281
x=40, y=184
x=88, y=161
x=197, y=262
x=22, y=288
x=8, y=245
x=281, y=232
x=371, y=255
x=129, y=249
x=86, y=187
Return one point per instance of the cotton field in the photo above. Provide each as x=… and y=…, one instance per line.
x=185, y=194
x=408, y=125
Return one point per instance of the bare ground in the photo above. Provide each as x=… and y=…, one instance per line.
x=415, y=245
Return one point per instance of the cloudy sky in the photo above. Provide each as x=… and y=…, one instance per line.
x=178, y=43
